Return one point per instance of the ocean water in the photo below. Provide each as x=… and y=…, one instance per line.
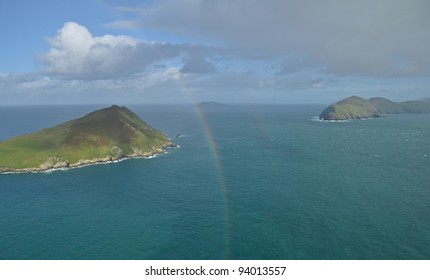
x=248, y=182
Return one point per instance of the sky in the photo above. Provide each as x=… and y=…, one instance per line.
x=231, y=51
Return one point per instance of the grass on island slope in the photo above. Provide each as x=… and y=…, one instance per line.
x=350, y=108
x=355, y=107
x=111, y=132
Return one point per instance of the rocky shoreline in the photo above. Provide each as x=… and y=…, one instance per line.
x=56, y=163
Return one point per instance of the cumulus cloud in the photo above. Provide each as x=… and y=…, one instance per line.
x=257, y=47
x=76, y=54
x=387, y=38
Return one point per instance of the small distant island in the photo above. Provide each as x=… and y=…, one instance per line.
x=210, y=105
x=104, y=135
x=355, y=107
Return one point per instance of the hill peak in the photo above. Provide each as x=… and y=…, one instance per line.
x=351, y=99
x=355, y=107
x=103, y=135
x=115, y=107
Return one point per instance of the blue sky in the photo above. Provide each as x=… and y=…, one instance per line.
x=244, y=51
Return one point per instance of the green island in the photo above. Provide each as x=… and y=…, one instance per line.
x=355, y=107
x=105, y=135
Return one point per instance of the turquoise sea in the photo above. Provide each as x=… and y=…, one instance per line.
x=248, y=182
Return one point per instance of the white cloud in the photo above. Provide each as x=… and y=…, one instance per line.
x=76, y=54
x=287, y=47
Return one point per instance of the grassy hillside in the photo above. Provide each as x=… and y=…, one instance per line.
x=385, y=106
x=416, y=106
x=355, y=107
x=103, y=135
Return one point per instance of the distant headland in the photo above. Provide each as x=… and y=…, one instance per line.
x=355, y=107
x=105, y=135
x=210, y=105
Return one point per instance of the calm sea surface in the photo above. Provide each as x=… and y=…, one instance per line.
x=248, y=182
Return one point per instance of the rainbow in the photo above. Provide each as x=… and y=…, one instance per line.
x=219, y=168
x=218, y=165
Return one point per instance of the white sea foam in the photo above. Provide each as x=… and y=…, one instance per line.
x=85, y=165
x=317, y=119
x=54, y=169
x=177, y=146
